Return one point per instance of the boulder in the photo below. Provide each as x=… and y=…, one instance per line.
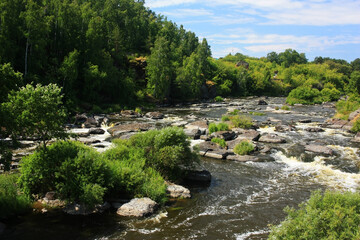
x=271, y=138
x=265, y=149
x=80, y=118
x=219, y=154
x=193, y=133
x=2, y=227
x=154, y=115
x=319, y=149
x=314, y=129
x=208, y=146
x=305, y=121
x=50, y=196
x=243, y=158
x=262, y=102
x=96, y=131
x=205, y=137
x=119, y=130
x=83, y=134
x=137, y=207
x=335, y=123
x=198, y=176
x=356, y=138
x=201, y=125
x=91, y=122
x=226, y=135
x=177, y=191
x=130, y=114
x=90, y=141
x=354, y=114
x=284, y=128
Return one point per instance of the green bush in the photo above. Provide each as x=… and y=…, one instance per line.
x=70, y=168
x=344, y=108
x=219, y=141
x=213, y=127
x=244, y=148
x=218, y=99
x=304, y=95
x=257, y=113
x=241, y=121
x=333, y=215
x=225, y=118
x=356, y=127
x=235, y=112
x=285, y=107
x=12, y=202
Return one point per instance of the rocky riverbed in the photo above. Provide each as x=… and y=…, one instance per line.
x=297, y=151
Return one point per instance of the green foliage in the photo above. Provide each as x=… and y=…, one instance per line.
x=356, y=126
x=221, y=142
x=304, y=95
x=277, y=108
x=235, y=112
x=285, y=107
x=333, y=215
x=257, y=113
x=37, y=111
x=241, y=121
x=138, y=110
x=213, y=127
x=72, y=169
x=225, y=118
x=218, y=99
x=244, y=148
x=344, y=108
x=12, y=202
x=9, y=80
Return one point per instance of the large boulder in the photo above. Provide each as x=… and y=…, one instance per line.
x=202, y=125
x=130, y=114
x=155, y=115
x=338, y=124
x=354, y=115
x=96, y=131
x=80, y=118
x=208, y=146
x=250, y=135
x=119, y=130
x=137, y=207
x=319, y=149
x=177, y=191
x=272, y=138
x=91, y=122
x=193, y=133
x=262, y=102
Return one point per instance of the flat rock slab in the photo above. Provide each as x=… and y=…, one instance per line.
x=130, y=114
x=219, y=154
x=338, y=124
x=284, y=128
x=177, y=191
x=155, y=115
x=242, y=158
x=356, y=138
x=119, y=130
x=208, y=146
x=319, y=149
x=271, y=138
x=193, y=133
x=250, y=135
x=137, y=207
x=203, y=124
x=96, y=131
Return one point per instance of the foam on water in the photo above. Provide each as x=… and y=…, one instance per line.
x=319, y=172
x=250, y=234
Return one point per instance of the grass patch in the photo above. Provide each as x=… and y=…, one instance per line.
x=235, y=112
x=218, y=99
x=356, y=127
x=213, y=127
x=285, y=107
x=241, y=121
x=225, y=118
x=221, y=142
x=344, y=108
x=257, y=113
x=244, y=148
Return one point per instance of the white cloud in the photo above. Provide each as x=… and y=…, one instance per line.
x=167, y=3
x=269, y=48
x=188, y=13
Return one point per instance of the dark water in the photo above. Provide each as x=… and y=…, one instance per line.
x=242, y=200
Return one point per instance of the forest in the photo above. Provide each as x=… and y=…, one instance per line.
x=120, y=53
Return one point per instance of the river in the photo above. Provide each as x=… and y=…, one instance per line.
x=242, y=200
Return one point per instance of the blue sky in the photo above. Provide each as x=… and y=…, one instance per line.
x=327, y=28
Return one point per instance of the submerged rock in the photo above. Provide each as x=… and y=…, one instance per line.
x=314, y=129
x=198, y=176
x=177, y=191
x=354, y=114
x=137, y=207
x=80, y=209
x=243, y=158
x=319, y=149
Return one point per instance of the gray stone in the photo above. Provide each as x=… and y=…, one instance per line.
x=271, y=138
x=80, y=118
x=177, y=191
x=193, y=133
x=242, y=158
x=120, y=130
x=50, y=196
x=284, y=128
x=91, y=122
x=219, y=154
x=155, y=115
x=250, y=135
x=130, y=114
x=96, y=131
x=205, y=137
x=80, y=209
x=356, y=138
x=319, y=149
x=137, y=207
x=208, y=146
x=201, y=125
x=262, y=102
x=265, y=149
x=354, y=114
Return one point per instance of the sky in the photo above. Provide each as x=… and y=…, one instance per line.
x=327, y=28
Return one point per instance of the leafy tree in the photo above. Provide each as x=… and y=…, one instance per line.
x=356, y=64
x=37, y=112
x=9, y=80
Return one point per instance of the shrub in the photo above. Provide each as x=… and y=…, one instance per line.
x=344, y=108
x=138, y=110
x=257, y=113
x=235, y=112
x=218, y=99
x=11, y=201
x=244, y=148
x=225, y=118
x=70, y=168
x=241, y=121
x=304, y=95
x=286, y=108
x=213, y=127
x=219, y=141
x=333, y=215
x=356, y=127
x=277, y=108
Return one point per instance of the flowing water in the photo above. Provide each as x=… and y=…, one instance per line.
x=242, y=200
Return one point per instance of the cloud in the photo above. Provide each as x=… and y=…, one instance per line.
x=182, y=13
x=167, y=3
